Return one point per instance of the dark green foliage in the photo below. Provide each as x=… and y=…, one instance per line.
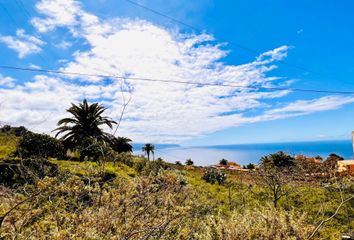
x=17, y=131
x=93, y=150
x=189, y=162
x=178, y=163
x=149, y=148
x=250, y=166
x=121, y=144
x=85, y=123
x=277, y=160
x=223, y=161
x=214, y=176
x=15, y=172
x=39, y=145
x=5, y=129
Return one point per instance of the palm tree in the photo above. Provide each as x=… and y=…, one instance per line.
x=149, y=148
x=121, y=144
x=85, y=123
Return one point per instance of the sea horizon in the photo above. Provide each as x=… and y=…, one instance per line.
x=245, y=153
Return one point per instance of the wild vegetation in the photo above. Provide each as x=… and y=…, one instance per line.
x=100, y=190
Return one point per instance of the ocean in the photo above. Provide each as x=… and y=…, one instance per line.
x=249, y=153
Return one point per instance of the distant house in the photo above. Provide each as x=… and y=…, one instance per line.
x=346, y=166
x=229, y=166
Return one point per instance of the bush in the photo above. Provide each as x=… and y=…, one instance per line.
x=15, y=172
x=40, y=145
x=213, y=176
x=250, y=166
x=123, y=157
x=17, y=131
x=223, y=161
x=189, y=162
x=263, y=223
x=93, y=150
x=153, y=168
x=178, y=163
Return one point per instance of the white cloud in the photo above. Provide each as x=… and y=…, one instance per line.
x=302, y=107
x=34, y=66
x=59, y=14
x=6, y=81
x=23, y=44
x=63, y=45
x=158, y=111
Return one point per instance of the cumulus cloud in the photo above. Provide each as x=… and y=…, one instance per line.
x=6, y=81
x=158, y=112
x=23, y=44
x=58, y=14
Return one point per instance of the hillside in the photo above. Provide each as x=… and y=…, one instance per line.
x=132, y=198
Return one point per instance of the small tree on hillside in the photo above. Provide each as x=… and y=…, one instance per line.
x=331, y=163
x=178, y=163
x=148, y=149
x=223, y=162
x=189, y=162
x=275, y=174
x=250, y=166
x=279, y=160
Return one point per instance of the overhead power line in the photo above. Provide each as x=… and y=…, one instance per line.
x=240, y=46
x=177, y=82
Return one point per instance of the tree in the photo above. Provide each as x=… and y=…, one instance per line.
x=178, y=163
x=250, y=166
x=121, y=144
x=149, y=148
x=17, y=131
x=39, y=145
x=189, y=162
x=331, y=162
x=276, y=173
x=223, y=161
x=86, y=122
x=277, y=160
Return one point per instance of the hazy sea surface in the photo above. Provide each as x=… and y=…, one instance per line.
x=250, y=153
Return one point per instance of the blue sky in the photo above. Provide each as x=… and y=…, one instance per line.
x=117, y=38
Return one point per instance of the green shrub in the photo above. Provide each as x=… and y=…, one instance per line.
x=39, y=145
x=154, y=167
x=93, y=150
x=213, y=176
x=224, y=161
x=123, y=157
x=17, y=131
x=15, y=172
x=189, y=162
